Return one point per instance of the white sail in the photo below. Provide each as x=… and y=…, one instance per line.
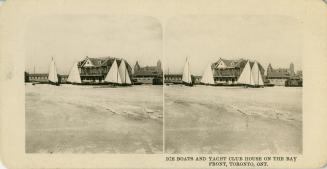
x=124, y=76
x=74, y=76
x=246, y=75
x=186, y=73
x=257, y=78
x=207, y=77
x=53, y=76
x=113, y=75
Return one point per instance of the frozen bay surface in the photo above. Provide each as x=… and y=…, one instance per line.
x=93, y=119
x=208, y=119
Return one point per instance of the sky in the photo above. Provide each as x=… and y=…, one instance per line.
x=70, y=38
x=205, y=39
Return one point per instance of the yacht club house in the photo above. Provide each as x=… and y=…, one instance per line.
x=95, y=69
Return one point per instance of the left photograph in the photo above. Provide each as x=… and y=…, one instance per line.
x=93, y=84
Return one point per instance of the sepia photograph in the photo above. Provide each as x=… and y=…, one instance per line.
x=163, y=84
x=233, y=85
x=93, y=84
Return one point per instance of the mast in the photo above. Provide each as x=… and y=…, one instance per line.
x=246, y=76
x=250, y=75
x=125, y=72
x=53, y=77
x=258, y=74
x=207, y=77
x=188, y=66
x=113, y=75
x=74, y=76
x=257, y=79
x=117, y=77
x=186, y=73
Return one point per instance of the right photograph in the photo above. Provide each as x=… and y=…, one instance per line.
x=233, y=85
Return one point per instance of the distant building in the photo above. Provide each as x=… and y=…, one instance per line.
x=228, y=71
x=292, y=73
x=177, y=78
x=299, y=74
x=63, y=78
x=148, y=74
x=43, y=77
x=26, y=77
x=196, y=79
x=37, y=77
x=294, y=82
x=95, y=69
x=279, y=76
x=173, y=78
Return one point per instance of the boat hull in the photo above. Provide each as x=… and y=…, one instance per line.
x=54, y=83
x=228, y=85
x=137, y=83
x=101, y=84
x=188, y=84
x=254, y=86
x=204, y=84
x=269, y=85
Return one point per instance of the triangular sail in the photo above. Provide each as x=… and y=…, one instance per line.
x=113, y=75
x=246, y=75
x=186, y=73
x=207, y=77
x=74, y=76
x=53, y=76
x=257, y=78
x=124, y=76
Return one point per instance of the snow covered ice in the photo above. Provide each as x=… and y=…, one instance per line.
x=93, y=119
x=199, y=119
x=207, y=119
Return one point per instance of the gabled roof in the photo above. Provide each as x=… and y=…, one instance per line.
x=231, y=66
x=229, y=63
x=104, y=61
x=101, y=61
x=96, y=62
